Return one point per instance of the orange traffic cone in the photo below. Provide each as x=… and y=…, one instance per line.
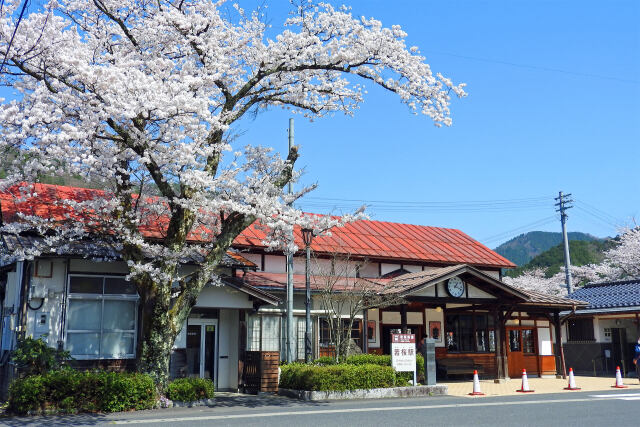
x=525, y=383
x=618, y=379
x=476, y=385
x=572, y=381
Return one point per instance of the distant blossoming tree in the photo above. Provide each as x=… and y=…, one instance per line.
x=140, y=97
x=620, y=262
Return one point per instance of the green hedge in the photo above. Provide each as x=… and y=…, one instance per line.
x=325, y=360
x=385, y=360
x=190, y=389
x=72, y=391
x=298, y=376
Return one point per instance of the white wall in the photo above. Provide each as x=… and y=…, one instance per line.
x=46, y=321
x=223, y=296
x=545, y=342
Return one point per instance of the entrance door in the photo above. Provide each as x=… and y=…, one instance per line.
x=515, y=358
x=619, y=347
x=202, y=340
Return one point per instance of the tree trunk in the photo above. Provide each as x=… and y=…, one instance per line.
x=157, y=334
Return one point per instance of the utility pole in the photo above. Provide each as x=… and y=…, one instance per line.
x=290, y=341
x=563, y=205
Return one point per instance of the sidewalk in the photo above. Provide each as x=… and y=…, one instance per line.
x=540, y=385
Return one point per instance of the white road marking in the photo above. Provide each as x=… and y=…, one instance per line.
x=619, y=396
x=352, y=410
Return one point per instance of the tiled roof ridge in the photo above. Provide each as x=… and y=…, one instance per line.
x=609, y=283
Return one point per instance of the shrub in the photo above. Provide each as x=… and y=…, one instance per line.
x=325, y=360
x=71, y=391
x=385, y=360
x=341, y=377
x=34, y=357
x=190, y=389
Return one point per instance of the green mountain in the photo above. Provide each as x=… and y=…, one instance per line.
x=582, y=252
x=525, y=247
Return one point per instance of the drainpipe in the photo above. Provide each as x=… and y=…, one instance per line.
x=63, y=311
x=24, y=290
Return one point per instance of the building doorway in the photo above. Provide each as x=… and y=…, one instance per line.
x=202, y=343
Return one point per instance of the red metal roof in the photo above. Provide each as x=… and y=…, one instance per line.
x=388, y=240
x=373, y=239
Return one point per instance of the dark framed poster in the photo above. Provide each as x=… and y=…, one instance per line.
x=435, y=330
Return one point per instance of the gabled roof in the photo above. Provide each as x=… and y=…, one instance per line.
x=623, y=294
x=413, y=282
x=250, y=290
x=371, y=239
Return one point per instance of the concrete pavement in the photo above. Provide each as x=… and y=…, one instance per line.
x=540, y=385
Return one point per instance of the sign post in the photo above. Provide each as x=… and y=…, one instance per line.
x=403, y=354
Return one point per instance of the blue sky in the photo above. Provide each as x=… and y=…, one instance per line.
x=554, y=104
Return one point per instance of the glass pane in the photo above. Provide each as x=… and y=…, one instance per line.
x=528, y=344
x=119, y=315
x=514, y=340
x=84, y=314
x=481, y=340
x=193, y=350
x=253, y=333
x=117, y=344
x=83, y=344
x=118, y=286
x=452, y=333
x=466, y=333
x=209, y=350
x=271, y=333
x=85, y=285
x=492, y=340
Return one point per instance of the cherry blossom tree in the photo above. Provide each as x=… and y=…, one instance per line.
x=141, y=96
x=620, y=262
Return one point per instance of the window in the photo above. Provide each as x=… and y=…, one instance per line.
x=528, y=341
x=101, y=317
x=514, y=340
x=581, y=330
x=327, y=340
x=470, y=333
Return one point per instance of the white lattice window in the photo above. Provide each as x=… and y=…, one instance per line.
x=102, y=317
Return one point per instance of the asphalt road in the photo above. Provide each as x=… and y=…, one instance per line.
x=610, y=408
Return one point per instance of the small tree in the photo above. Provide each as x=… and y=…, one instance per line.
x=344, y=296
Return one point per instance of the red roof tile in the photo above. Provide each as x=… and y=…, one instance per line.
x=374, y=239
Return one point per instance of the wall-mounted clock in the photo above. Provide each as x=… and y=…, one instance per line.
x=455, y=287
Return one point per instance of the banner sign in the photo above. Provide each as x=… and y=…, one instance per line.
x=403, y=352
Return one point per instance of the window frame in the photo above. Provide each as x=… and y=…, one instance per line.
x=344, y=320
x=488, y=329
x=583, y=334
x=102, y=297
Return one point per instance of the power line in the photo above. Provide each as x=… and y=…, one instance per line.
x=15, y=30
x=537, y=67
x=519, y=229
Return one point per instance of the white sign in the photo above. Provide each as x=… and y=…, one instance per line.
x=403, y=352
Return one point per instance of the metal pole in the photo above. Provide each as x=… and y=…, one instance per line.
x=289, y=342
x=308, y=357
x=562, y=207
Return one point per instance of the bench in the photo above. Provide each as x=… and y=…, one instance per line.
x=457, y=366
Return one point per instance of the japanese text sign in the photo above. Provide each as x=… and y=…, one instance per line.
x=403, y=352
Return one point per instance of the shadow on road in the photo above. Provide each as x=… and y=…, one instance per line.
x=55, y=420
